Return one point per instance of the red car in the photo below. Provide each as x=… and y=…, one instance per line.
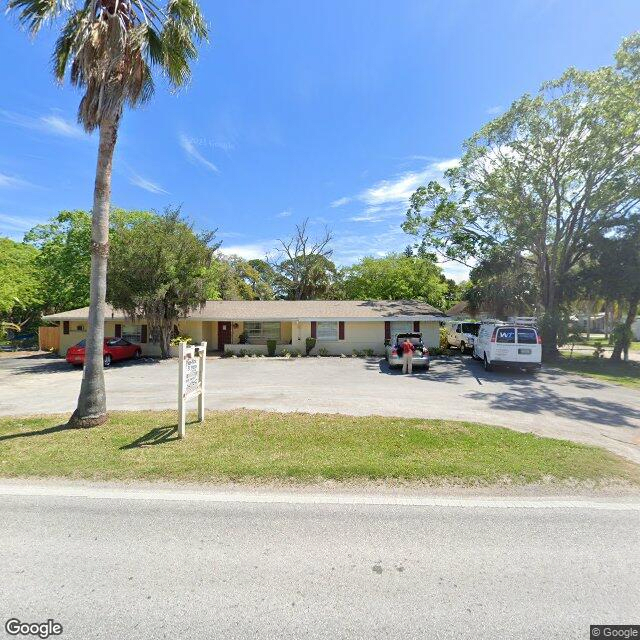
x=114, y=349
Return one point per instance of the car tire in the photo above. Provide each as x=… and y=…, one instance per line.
x=138, y=354
x=487, y=364
x=106, y=360
x=426, y=368
x=463, y=348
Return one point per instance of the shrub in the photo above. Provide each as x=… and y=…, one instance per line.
x=436, y=351
x=295, y=353
x=323, y=352
x=271, y=348
x=310, y=343
x=368, y=353
x=174, y=342
x=357, y=354
x=444, y=343
x=286, y=353
x=242, y=353
x=598, y=352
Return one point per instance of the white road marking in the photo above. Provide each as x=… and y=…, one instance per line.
x=268, y=497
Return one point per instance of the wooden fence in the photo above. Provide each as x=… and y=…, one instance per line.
x=49, y=338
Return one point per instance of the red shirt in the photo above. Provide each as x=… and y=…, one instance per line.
x=407, y=347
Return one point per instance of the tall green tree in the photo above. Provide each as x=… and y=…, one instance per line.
x=397, y=277
x=20, y=283
x=109, y=48
x=503, y=284
x=64, y=254
x=161, y=270
x=542, y=178
x=303, y=267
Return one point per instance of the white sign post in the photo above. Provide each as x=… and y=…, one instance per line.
x=191, y=377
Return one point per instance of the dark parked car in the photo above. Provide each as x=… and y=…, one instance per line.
x=114, y=349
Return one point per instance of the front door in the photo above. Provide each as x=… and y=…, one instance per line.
x=224, y=334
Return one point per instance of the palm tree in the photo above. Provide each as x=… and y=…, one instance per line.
x=109, y=48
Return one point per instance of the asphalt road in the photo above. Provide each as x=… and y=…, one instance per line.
x=107, y=567
x=552, y=403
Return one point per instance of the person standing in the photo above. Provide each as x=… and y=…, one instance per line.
x=407, y=356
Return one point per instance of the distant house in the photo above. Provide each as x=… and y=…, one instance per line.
x=339, y=326
x=635, y=327
x=461, y=311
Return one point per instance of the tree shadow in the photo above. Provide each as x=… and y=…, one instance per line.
x=40, y=432
x=157, y=435
x=59, y=365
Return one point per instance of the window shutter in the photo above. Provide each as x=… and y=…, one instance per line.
x=416, y=325
x=118, y=330
x=314, y=329
x=143, y=333
x=340, y=330
x=65, y=327
x=387, y=330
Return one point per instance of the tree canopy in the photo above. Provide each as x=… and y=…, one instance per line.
x=396, y=277
x=20, y=283
x=543, y=178
x=160, y=269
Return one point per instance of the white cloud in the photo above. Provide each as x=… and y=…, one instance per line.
x=284, y=214
x=494, y=111
x=11, y=224
x=400, y=188
x=393, y=193
x=147, y=185
x=52, y=124
x=250, y=251
x=191, y=150
x=12, y=182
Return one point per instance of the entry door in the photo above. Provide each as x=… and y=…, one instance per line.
x=224, y=334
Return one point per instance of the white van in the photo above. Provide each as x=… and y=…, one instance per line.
x=508, y=344
x=462, y=334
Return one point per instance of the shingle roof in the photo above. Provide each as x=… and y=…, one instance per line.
x=290, y=309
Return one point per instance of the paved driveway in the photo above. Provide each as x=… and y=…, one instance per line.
x=553, y=403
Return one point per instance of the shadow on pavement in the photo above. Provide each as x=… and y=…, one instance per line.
x=59, y=365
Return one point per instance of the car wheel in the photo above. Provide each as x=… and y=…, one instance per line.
x=463, y=347
x=138, y=354
x=106, y=360
x=487, y=364
x=426, y=368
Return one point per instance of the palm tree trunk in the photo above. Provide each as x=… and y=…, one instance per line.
x=92, y=402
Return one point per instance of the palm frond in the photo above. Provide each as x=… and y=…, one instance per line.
x=74, y=32
x=33, y=14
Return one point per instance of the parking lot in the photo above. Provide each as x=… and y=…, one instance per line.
x=551, y=403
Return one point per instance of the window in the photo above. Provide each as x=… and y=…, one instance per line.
x=258, y=332
x=527, y=336
x=132, y=332
x=327, y=330
x=80, y=327
x=401, y=326
x=507, y=335
x=470, y=327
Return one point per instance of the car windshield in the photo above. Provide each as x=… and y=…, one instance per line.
x=470, y=327
x=82, y=343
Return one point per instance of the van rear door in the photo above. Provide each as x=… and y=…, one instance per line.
x=529, y=351
x=505, y=348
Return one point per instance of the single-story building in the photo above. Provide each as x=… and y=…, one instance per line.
x=339, y=326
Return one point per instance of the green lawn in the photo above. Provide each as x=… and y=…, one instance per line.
x=254, y=445
x=591, y=342
x=625, y=373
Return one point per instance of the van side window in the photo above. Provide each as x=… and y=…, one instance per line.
x=457, y=328
x=507, y=334
x=527, y=336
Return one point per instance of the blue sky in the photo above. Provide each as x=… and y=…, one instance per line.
x=333, y=110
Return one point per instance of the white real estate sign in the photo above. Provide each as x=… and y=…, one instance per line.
x=191, y=378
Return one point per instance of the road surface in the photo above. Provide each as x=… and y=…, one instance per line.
x=116, y=564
